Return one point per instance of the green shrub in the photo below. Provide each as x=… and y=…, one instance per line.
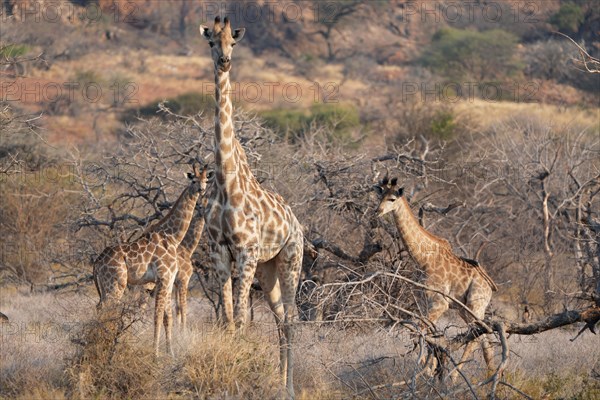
x=185, y=104
x=466, y=54
x=284, y=120
x=338, y=119
x=435, y=121
x=443, y=124
x=568, y=18
x=13, y=50
x=84, y=77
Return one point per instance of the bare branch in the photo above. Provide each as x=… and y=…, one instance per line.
x=591, y=64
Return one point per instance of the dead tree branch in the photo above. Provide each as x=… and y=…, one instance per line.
x=591, y=64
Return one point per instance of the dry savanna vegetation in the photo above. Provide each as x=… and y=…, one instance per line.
x=486, y=112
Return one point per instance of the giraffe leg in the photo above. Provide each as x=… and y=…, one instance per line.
x=177, y=301
x=168, y=322
x=469, y=348
x=488, y=354
x=247, y=267
x=182, y=294
x=98, y=288
x=437, y=305
x=222, y=264
x=477, y=300
x=289, y=263
x=267, y=276
x=227, y=294
x=159, y=312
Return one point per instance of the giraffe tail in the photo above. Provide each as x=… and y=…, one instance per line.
x=475, y=264
x=97, y=284
x=487, y=278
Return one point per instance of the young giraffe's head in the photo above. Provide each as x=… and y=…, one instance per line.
x=206, y=178
x=390, y=195
x=198, y=178
x=221, y=40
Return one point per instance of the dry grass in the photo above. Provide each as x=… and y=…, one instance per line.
x=488, y=113
x=549, y=365
x=39, y=359
x=213, y=364
x=36, y=342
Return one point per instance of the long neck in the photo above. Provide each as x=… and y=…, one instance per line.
x=176, y=223
x=226, y=158
x=421, y=244
x=194, y=232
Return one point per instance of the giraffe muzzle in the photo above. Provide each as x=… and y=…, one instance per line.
x=224, y=63
x=225, y=67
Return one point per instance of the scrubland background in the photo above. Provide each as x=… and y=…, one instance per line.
x=480, y=109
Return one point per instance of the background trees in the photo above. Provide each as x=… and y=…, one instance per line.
x=464, y=54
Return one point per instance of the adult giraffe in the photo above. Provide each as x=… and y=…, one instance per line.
x=248, y=227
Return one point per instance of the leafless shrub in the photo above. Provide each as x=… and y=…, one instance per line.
x=549, y=60
x=132, y=187
x=561, y=61
x=537, y=180
x=590, y=64
x=108, y=363
x=33, y=198
x=21, y=145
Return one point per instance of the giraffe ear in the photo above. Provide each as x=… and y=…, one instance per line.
x=190, y=176
x=394, y=181
x=205, y=32
x=378, y=189
x=238, y=34
x=400, y=192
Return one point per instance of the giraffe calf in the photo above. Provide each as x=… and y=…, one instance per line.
x=463, y=279
x=150, y=258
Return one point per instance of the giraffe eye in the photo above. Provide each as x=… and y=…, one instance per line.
x=233, y=44
x=391, y=199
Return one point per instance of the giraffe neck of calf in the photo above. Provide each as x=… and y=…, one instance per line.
x=192, y=237
x=176, y=223
x=423, y=247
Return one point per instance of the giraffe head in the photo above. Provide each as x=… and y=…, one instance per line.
x=221, y=41
x=198, y=179
x=390, y=195
x=205, y=176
